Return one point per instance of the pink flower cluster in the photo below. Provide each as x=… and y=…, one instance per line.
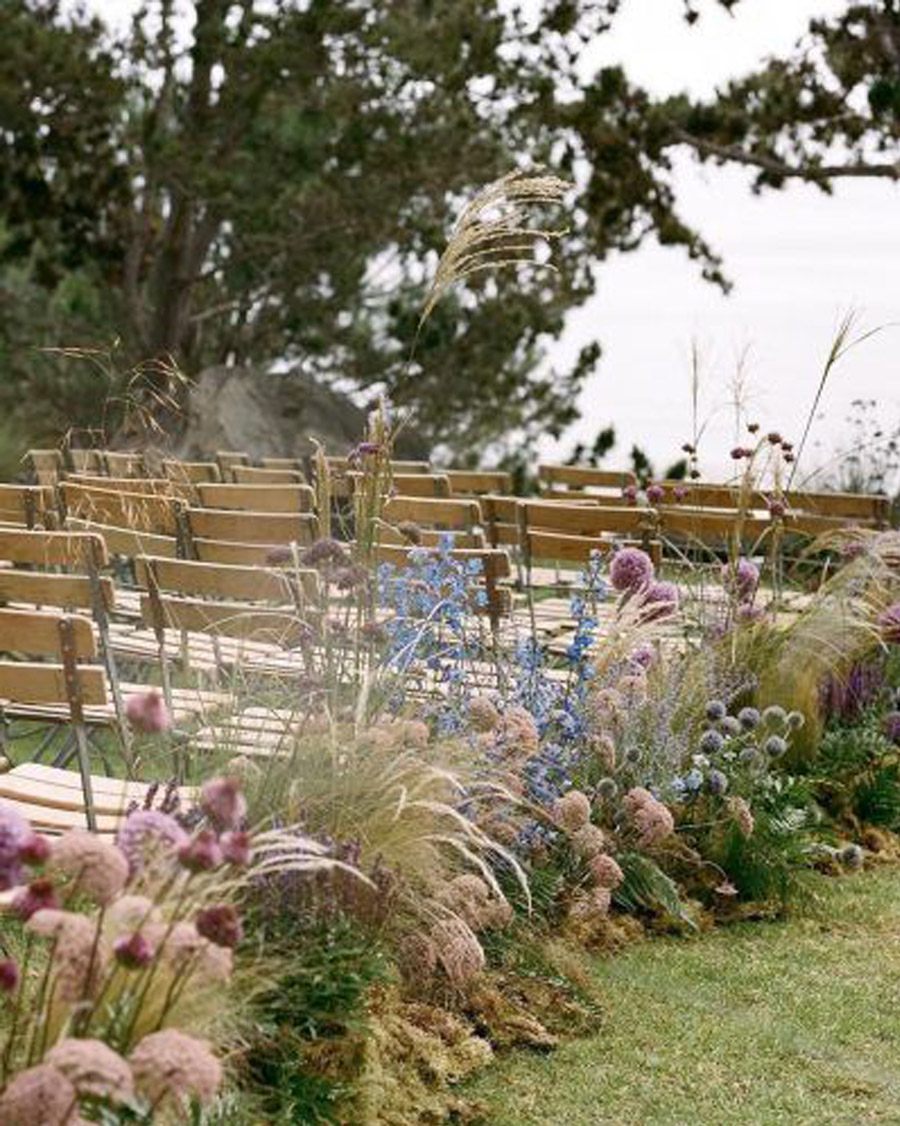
x=652, y=820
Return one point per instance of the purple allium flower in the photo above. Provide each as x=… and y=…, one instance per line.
x=201, y=854
x=9, y=976
x=889, y=624
x=741, y=580
x=891, y=728
x=223, y=802
x=655, y=493
x=643, y=656
x=631, y=569
x=133, y=951
x=748, y=614
x=147, y=713
x=146, y=831
x=659, y=600
x=34, y=849
x=220, y=924
x=325, y=553
x=236, y=848
x=13, y=830
x=680, y=492
x=630, y=493
x=39, y=895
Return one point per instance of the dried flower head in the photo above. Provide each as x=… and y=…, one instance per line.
x=483, y=715
x=172, y=1068
x=458, y=950
x=221, y=924
x=742, y=815
x=516, y=734
x=92, y=865
x=93, y=1069
x=75, y=952
x=13, y=831
x=606, y=872
x=587, y=842
x=604, y=748
x=183, y=949
x=417, y=958
x=572, y=811
x=40, y=1096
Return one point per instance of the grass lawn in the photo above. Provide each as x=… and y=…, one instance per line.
x=795, y=1022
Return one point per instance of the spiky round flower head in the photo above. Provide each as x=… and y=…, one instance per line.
x=458, y=950
x=775, y=747
x=133, y=951
x=93, y=1069
x=748, y=718
x=711, y=742
x=742, y=815
x=606, y=872
x=75, y=951
x=587, y=842
x=39, y=895
x=9, y=975
x=741, y=580
x=730, y=726
x=572, y=811
x=604, y=748
x=170, y=1069
x=889, y=624
x=221, y=924
x=796, y=720
x=891, y=728
x=633, y=755
x=749, y=756
x=201, y=853
x=631, y=570
x=147, y=713
x=482, y=714
x=643, y=656
x=40, y=1096
x=659, y=600
x=774, y=714
x=223, y=802
x=656, y=493
x=607, y=788
x=90, y=864
x=13, y=831
x=236, y=848
x=717, y=782
x=34, y=850
x=147, y=835
x=715, y=711
x=852, y=856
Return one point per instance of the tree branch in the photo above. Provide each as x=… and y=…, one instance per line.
x=814, y=173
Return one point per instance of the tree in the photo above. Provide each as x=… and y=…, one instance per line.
x=275, y=181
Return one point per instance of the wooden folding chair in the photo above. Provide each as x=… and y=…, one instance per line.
x=30, y=506
x=191, y=472
x=478, y=482
x=257, y=498
x=276, y=529
x=45, y=466
x=259, y=475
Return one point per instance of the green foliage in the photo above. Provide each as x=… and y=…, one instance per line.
x=647, y=888
x=856, y=774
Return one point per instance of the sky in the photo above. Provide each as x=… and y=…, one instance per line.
x=800, y=261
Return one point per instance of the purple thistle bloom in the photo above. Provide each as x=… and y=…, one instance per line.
x=741, y=580
x=631, y=569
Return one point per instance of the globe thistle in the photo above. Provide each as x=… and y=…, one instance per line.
x=742, y=815
x=221, y=924
x=458, y=950
x=572, y=811
x=730, y=726
x=604, y=749
x=223, y=802
x=607, y=788
x=749, y=756
x=659, y=600
x=40, y=1096
x=796, y=720
x=717, y=783
x=9, y=975
x=201, y=853
x=94, y=866
x=482, y=714
x=852, y=856
x=147, y=713
x=236, y=848
x=172, y=1068
x=773, y=714
x=693, y=780
x=748, y=718
x=606, y=872
x=75, y=952
x=631, y=570
x=93, y=1069
x=148, y=834
x=715, y=711
x=711, y=742
x=889, y=624
x=741, y=580
x=656, y=493
x=39, y=895
x=775, y=747
x=633, y=755
x=587, y=842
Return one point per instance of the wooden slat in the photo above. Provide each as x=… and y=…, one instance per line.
x=218, y=580
x=258, y=498
x=257, y=475
x=86, y=461
x=342, y=464
x=66, y=591
x=123, y=464
x=584, y=519
x=478, y=481
x=17, y=500
x=133, y=511
x=231, y=619
x=52, y=549
x=228, y=459
x=709, y=526
x=145, y=486
x=37, y=633
x=123, y=541
x=191, y=472
x=555, y=547
x=252, y=527
x=32, y=683
x=281, y=463
x=495, y=561
x=450, y=513
x=584, y=477
x=430, y=537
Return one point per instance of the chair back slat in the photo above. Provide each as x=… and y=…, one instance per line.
x=258, y=498
x=275, y=528
x=37, y=633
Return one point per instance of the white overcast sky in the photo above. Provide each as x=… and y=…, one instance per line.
x=800, y=260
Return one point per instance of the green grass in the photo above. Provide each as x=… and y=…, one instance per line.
x=793, y=1022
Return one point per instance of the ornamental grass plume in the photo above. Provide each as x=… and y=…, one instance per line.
x=659, y=600
x=170, y=1069
x=889, y=624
